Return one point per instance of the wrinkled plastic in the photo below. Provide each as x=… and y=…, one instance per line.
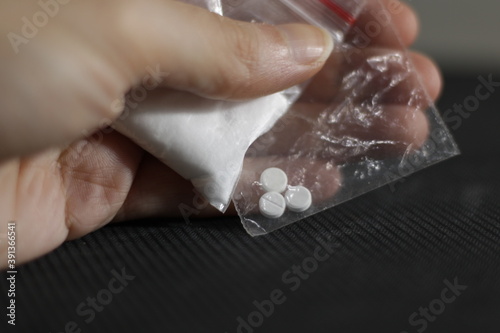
x=365, y=121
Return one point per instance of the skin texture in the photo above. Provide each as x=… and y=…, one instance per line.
x=59, y=183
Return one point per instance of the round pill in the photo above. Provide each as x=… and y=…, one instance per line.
x=298, y=199
x=272, y=205
x=274, y=180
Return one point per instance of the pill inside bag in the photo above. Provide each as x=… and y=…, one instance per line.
x=274, y=180
x=203, y=140
x=272, y=205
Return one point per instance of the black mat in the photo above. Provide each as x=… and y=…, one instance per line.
x=387, y=256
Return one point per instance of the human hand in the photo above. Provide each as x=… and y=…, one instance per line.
x=64, y=82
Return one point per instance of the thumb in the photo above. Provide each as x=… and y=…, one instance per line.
x=69, y=78
x=217, y=57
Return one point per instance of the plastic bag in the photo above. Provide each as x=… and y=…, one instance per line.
x=363, y=122
x=203, y=140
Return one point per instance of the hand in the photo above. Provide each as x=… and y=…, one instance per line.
x=63, y=83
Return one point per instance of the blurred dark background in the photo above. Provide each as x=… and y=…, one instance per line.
x=393, y=253
x=461, y=35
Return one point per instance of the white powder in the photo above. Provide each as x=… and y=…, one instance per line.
x=203, y=140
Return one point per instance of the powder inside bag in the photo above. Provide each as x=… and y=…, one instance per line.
x=203, y=140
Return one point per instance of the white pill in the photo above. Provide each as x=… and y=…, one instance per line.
x=298, y=199
x=274, y=180
x=272, y=205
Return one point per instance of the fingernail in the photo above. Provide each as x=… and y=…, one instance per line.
x=307, y=44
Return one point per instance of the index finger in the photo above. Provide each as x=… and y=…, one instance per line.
x=384, y=23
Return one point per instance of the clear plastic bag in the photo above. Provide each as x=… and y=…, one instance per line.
x=205, y=140
x=336, y=16
x=363, y=122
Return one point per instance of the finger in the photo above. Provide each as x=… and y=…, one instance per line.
x=429, y=74
x=158, y=191
x=388, y=23
x=96, y=173
x=31, y=197
x=384, y=76
x=390, y=76
x=345, y=133
x=221, y=58
x=354, y=133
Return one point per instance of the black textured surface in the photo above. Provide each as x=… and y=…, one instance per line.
x=391, y=252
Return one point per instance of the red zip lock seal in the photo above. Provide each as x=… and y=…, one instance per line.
x=341, y=12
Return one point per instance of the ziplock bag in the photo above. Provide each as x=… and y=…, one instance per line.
x=205, y=140
x=364, y=121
